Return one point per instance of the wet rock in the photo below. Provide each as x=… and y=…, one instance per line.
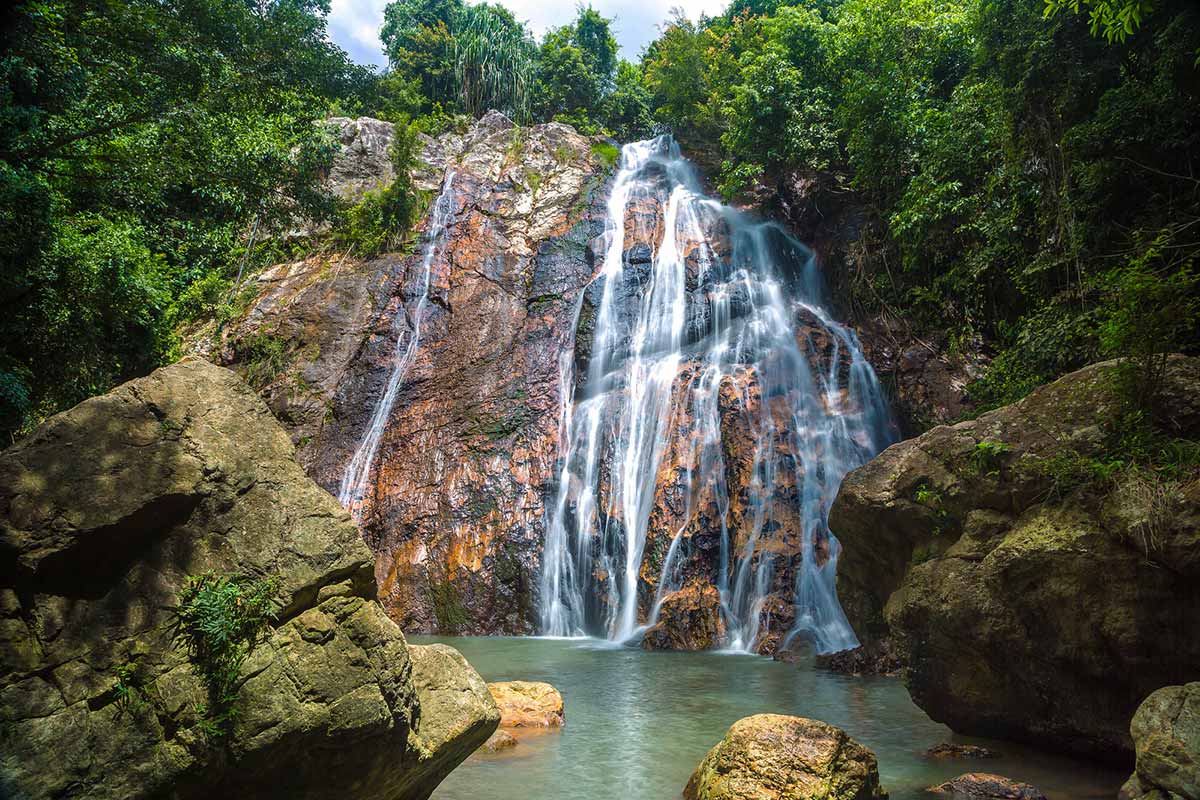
x=1018, y=615
x=775, y=757
x=498, y=742
x=104, y=512
x=876, y=658
x=982, y=786
x=527, y=704
x=1166, y=739
x=959, y=751
x=457, y=537
x=688, y=619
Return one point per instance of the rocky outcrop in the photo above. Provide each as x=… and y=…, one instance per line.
x=688, y=619
x=458, y=500
x=104, y=512
x=774, y=757
x=527, y=704
x=1027, y=598
x=1166, y=739
x=982, y=786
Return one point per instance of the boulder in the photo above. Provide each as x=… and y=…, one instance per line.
x=527, y=704
x=982, y=786
x=776, y=757
x=1166, y=739
x=104, y=512
x=1023, y=607
x=688, y=619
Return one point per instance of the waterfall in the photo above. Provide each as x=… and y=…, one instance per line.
x=358, y=471
x=708, y=326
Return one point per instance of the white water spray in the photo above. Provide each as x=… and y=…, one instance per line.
x=713, y=305
x=358, y=471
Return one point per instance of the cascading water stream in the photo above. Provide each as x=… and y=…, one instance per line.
x=698, y=327
x=358, y=471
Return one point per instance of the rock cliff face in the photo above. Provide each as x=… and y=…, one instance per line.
x=104, y=511
x=1023, y=607
x=455, y=513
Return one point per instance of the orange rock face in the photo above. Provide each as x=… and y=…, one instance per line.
x=527, y=704
x=458, y=492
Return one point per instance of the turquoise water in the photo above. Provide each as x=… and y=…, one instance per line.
x=639, y=722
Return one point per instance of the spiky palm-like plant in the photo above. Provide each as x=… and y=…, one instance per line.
x=495, y=61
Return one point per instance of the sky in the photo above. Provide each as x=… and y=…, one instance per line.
x=354, y=24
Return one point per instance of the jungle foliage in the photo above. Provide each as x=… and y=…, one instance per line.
x=141, y=144
x=1029, y=167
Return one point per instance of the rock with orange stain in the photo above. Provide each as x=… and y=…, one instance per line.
x=688, y=619
x=527, y=704
x=457, y=497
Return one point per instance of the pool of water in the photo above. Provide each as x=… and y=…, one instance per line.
x=638, y=723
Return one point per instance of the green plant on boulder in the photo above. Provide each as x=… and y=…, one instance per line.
x=987, y=457
x=220, y=619
x=128, y=692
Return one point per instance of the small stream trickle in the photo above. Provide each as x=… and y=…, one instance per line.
x=696, y=299
x=355, y=479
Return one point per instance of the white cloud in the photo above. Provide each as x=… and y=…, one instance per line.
x=354, y=24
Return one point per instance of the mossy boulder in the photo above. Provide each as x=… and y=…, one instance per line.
x=1166, y=737
x=1022, y=608
x=104, y=512
x=776, y=757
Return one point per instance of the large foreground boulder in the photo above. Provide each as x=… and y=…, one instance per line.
x=1027, y=596
x=104, y=513
x=1166, y=737
x=776, y=757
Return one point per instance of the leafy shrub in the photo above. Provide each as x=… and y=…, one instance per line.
x=219, y=621
x=1150, y=313
x=606, y=153
x=265, y=357
x=383, y=218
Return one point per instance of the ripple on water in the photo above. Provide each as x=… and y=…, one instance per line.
x=639, y=722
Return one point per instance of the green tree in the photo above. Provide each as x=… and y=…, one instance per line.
x=139, y=142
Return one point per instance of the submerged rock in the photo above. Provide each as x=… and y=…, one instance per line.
x=1166, y=739
x=955, y=750
x=527, y=704
x=982, y=786
x=876, y=658
x=499, y=741
x=104, y=512
x=776, y=757
x=1022, y=609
